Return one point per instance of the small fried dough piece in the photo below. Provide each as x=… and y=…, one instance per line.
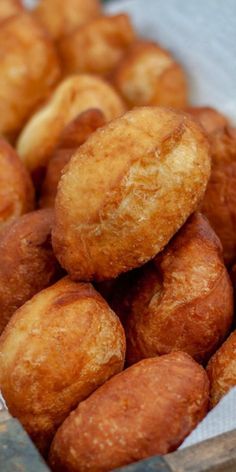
x=61, y=17
x=222, y=370
x=183, y=300
x=210, y=119
x=127, y=190
x=27, y=261
x=74, y=134
x=57, y=349
x=9, y=8
x=98, y=46
x=146, y=410
x=29, y=70
x=73, y=96
x=16, y=189
x=149, y=75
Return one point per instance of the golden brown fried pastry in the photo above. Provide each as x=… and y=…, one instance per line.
x=16, y=189
x=98, y=46
x=27, y=261
x=63, y=16
x=211, y=120
x=74, y=95
x=222, y=370
x=74, y=134
x=29, y=70
x=127, y=190
x=148, y=409
x=9, y=8
x=57, y=349
x=182, y=300
x=149, y=75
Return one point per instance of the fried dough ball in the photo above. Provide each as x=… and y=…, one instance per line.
x=27, y=261
x=149, y=75
x=148, y=409
x=222, y=370
x=183, y=300
x=219, y=204
x=56, y=350
x=127, y=190
x=9, y=8
x=98, y=46
x=29, y=70
x=61, y=17
x=16, y=189
x=74, y=134
x=74, y=95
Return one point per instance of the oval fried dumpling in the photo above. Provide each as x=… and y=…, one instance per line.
x=127, y=190
x=98, y=46
x=16, y=189
x=149, y=75
x=56, y=350
x=74, y=95
x=60, y=17
x=29, y=70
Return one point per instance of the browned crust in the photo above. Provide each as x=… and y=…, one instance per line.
x=57, y=349
x=9, y=8
x=148, y=409
x=222, y=370
x=27, y=261
x=183, y=300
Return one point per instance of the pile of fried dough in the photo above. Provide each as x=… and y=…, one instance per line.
x=117, y=239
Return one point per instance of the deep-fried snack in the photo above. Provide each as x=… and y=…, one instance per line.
x=210, y=118
x=149, y=75
x=98, y=46
x=127, y=190
x=222, y=370
x=183, y=299
x=74, y=95
x=9, y=8
x=74, y=134
x=27, y=261
x=29, y=69
x=148, y=409
x=16, y=189
x=61, y=17
x=57, y=349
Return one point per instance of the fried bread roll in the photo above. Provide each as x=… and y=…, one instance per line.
x=98, y=46
x=57, y=349
x=16, y=189
x=74, y=134
x=148, y=409
x=63, y=16
x=222, y=370
x=219, y=204
x=29, y=70
x=149, y=75
x=182, y=300
x=127, y=190
x=74, y=95
x=9, y=8
x=27, y=261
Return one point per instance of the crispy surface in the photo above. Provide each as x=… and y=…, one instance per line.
x=63, y=16
x=148, y=409
x=222, y=370
x=29, y=70
x=210, y=118
x=27, y=261
x=74, y=95
x=9, y=8
x=16, y=189
x=73, y=135
x=183, y=300
x=149, y=75
x=98, y=46
x=57, y=349
x=127, y=190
